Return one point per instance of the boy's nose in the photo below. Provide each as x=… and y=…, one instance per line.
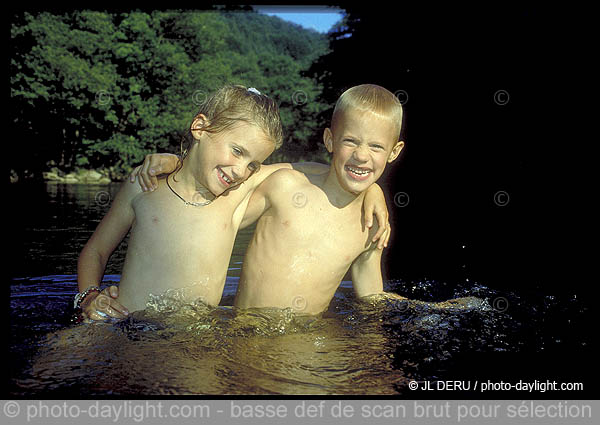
x=360, y=154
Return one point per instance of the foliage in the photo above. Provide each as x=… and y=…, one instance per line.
x=99, y=89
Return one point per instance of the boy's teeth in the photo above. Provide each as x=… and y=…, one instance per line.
x=356, y=171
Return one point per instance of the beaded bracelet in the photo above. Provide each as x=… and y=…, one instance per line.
x=79, y=297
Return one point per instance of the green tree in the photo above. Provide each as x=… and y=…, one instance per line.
x=98, y=89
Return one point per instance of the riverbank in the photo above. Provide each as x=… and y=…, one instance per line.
x=81, y=176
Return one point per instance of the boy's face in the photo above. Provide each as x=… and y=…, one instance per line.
x=362, y=144
x=230, y=156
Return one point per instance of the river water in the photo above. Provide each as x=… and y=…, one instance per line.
x=374, y=348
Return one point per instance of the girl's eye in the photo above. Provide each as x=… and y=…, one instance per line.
x=237, y=151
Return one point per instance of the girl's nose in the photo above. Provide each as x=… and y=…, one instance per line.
x=240, y=170
x=235, y=173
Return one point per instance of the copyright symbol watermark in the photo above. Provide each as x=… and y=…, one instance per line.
x=299, y=199
x=402, y=306
x=401, y=199
x=103, y=97
x=102, y=303
x=102, y=198
x=299, y=303
x=299, y=97
x=501, y=198
x=413, y=385
x=199, y=97
x=500, y=304
x=402, y=96
x=12, y=409
x=501, y=97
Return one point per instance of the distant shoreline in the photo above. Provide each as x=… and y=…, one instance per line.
x=80, y=176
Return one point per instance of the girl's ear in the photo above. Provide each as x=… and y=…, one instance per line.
x=198, y=125
x=396, y=151
x=328, y=140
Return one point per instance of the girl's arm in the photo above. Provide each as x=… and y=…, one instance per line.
x=96, y=252
x=257, y=205
x=157, y=164
x=373, y=205
x=366, y=273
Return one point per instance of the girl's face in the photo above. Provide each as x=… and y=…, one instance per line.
x=229, y=157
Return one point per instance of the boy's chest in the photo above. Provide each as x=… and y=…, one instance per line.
x=325, y=232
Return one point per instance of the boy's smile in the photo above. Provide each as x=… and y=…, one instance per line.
x=358, y=173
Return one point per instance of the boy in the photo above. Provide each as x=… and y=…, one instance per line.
x=311, y=229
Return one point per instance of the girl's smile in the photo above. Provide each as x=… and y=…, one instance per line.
x=224, y=178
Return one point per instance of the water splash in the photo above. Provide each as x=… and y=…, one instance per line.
x=372, y=346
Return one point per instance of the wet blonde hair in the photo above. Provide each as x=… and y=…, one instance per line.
x=371, y=98
x=233, y=104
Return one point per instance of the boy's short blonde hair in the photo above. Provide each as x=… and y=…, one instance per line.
x=371, y=98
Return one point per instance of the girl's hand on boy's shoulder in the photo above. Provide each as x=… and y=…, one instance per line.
x=153, y=166
x=374, y=205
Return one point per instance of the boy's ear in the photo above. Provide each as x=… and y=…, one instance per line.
x=396, y=151
x=328, y=140
x=198, y=125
